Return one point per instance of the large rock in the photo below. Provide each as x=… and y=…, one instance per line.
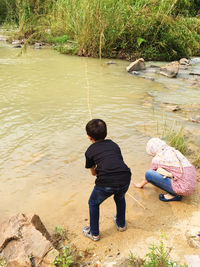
x=184, y=61
x=137, y=65
x=170, y=70
x=3, y=38
x=24, y=240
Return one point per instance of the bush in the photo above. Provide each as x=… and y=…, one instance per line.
x=154, y=29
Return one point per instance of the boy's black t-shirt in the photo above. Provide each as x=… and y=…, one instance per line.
x=111, y=171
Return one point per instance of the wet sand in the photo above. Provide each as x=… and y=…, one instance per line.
x=144, y=227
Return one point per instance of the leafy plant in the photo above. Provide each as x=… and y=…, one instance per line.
x=64, y=259
x=140, y=41
x=58, y=40
x=68, y=256
x=157, y=257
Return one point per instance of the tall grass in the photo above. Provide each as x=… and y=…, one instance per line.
x=174, y=136
x=154, y=29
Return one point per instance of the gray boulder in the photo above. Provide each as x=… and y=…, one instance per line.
x=137, y=65
x=184, y=61
x=170, y=70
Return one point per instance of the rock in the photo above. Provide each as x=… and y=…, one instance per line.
x=17, y=46
x=110, y=63
x=16, y=42
x=9, y=229
x=148, y=78
x=37, y=46
x=137, y=65
x=135, y=73
x=195, y=119
x=15, y=255
x=171, y=107
x=154, y=66
x=24, y=240
x=184, y=61
x=3, y=38
x=170, y=70
x=195, y=60
x=183, y=67
x=194, y=73
x=192, y=237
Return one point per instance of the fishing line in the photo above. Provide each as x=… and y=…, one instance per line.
x=88, y=89
x=90, y=115
x=135, y=200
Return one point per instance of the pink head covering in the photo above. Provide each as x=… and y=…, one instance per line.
x=164, y=154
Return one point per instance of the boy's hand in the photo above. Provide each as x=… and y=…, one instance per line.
x=93, y=172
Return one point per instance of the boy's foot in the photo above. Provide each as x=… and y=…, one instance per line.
x=86, y=232
x=119, y=228
x=168, y=197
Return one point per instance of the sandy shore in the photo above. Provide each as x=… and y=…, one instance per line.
x=144, y=226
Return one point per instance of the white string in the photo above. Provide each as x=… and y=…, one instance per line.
x=88, y=89
x=136, y=200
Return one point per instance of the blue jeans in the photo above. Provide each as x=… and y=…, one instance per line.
x=157, y=179
x=99, y=194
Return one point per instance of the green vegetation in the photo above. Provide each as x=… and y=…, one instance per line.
x=2, y=262
x=176, y=138
x=68, y=254
x=60, y=232
x=157, y=257
x=153, y=29
x=65, y=258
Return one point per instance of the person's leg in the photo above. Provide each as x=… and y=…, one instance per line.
x=119, y=197
x=157, y=179
x=99, y=194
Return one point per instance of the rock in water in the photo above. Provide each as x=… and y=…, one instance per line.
x=170, y=70
x=184, y=61
x=137, y=65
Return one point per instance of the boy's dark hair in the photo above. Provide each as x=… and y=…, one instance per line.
x=96, y=129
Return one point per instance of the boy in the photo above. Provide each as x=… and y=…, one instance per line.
x=105, y=161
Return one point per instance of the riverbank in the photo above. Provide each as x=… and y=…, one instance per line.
x=151, y=29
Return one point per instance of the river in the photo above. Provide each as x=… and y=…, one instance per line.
x=46, y=99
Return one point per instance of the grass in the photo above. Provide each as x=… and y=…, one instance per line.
x=158, y=256
x=153, y=29
x=177, y=139
x=173, y=135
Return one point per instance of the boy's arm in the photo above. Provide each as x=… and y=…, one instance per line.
x=93, y=172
